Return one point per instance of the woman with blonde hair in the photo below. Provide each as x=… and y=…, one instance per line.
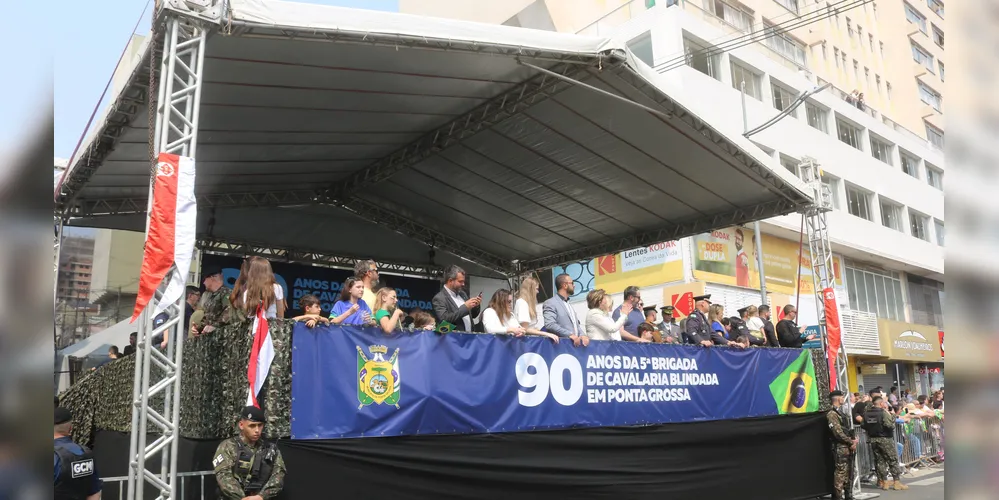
x=716, y=313
x=387, y=314
x=261, y=290
x=526, y=308
x=499, y=318
x=599, y=325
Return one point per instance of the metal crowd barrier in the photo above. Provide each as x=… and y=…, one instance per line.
x=192, y=486
x=920, y=443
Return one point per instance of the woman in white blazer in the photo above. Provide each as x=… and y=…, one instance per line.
x=599, y=325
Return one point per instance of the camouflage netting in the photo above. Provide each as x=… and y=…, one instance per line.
x=213, y=387
x=821, y=378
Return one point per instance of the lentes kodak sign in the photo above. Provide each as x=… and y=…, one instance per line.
x=644, y=266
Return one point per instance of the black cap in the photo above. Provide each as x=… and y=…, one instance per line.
x=649, y=308
x=835, y=393
x=742, y=311
x=703, y=297
x=252, y=413
x=62, y=415
x=211, y=271
x=666, y=308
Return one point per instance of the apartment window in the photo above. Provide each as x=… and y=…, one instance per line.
x=836, y=55
x=791, y=5
x=910, y=165
x=891, y=215
x=698, y=58
x=929, y=96
x=790, y=164
x=934, y=135
x=856, y=70
x=849, y=27
x=870, y=40
x=642, y=48
x=936, y=6
x=914, y=17
x=732, y=15
x=867, y=76
x=938, y=37
x=888, y=88
x=882, y=46
x=783, y=44
x=849, y=133
x=858, y=202
x=918, y=225
x=877, y=79
x=816, y=117
x=921, y=56
x=876, y=292
x=783, y=98
x=843, y=55
x=934, y=177
x=940, y=64
x=825, y=53
x=938, y=227
x=753, y=81
x=832, y=184
x=860, y=34
x=881, y=150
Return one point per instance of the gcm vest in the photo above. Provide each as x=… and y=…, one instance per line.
x=75, y=474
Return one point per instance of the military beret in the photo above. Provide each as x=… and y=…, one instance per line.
x=835, y=393
x=252, y=413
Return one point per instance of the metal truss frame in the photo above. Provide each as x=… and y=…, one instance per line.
x=176, y=131
x=317, y=257
x=669, y=233
x=820, y=251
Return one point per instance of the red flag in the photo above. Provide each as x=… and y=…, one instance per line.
x=261, y=356
x=833, y=334
x=170, y=236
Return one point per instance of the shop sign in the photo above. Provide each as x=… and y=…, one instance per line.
x=879, y=369
x=908, y=341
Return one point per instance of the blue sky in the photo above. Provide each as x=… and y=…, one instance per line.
x=89, y=39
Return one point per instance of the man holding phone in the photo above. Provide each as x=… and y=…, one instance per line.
x=452, y=303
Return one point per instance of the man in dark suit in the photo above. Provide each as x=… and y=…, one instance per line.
x=452, y=303
x=698, y=328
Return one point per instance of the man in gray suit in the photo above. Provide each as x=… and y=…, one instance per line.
x=560, y=318
x=452, y=303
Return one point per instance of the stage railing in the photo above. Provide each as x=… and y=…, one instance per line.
x=114, y=487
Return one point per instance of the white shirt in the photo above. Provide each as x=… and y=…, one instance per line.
x=458, y=301
x=271, y=312
x=755, y=324
x=492, y=323
x=522, y=311
x=600, y=326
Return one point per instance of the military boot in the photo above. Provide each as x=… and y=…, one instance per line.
x=883, y=485
x=898, y=486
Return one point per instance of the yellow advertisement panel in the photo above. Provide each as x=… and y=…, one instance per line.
x=652, y=265
x=728, y=257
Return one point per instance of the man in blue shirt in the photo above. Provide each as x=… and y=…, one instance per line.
x=76, y=476
x=635, y=317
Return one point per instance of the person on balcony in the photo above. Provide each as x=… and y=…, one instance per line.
x=756, y=326
x=313, y=309
x=498, y=318
x=671, y=332
x=367, y=272
x=452, y=305
x=630, y=330
x=422, y=320
x=262, y=291
x=599, y=325
x=388, y=316
x=351, y=309
x=215, y=303
x=788, y=332
x=768, y=327
x=698, y=328
x=526, y=307
x=560, y=318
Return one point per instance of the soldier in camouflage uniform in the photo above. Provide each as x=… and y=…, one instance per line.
x=246, y=466
x=844, y=446
x=880, y=427
x=215, y=304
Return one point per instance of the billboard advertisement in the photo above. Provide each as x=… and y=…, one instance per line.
x=646, y=266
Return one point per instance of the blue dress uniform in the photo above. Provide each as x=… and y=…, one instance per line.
x=76, y=476
x=698, y=329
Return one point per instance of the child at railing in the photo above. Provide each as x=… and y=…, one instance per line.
x=313, y=309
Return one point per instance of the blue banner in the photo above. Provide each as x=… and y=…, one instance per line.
x=353, y=382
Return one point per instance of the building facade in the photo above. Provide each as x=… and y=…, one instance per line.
x=880, y=157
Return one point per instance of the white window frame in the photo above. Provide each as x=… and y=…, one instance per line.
x=937, y=31
x=934, y=135
x=854, y=133
x=923, y=57
x=938, y=228
x=644, y=40
x=784, y=95
x=832, y=183
x=908, y=159
x=791, y=5
x=860, y=200
x=881, y=149
x=891, y=215
x=790, y=164
x=694, y=51
x=934, y=176
x=936, y=6
x=887, y=300
x=913, y=16
x=836, y=55
x=732, y=15
x=753, y=85
x=940, y=64
x=784, y=44
x=919, y=225
x=817, y=117
x=929, y=96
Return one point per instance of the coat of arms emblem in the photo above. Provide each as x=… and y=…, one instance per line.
x=378, y=380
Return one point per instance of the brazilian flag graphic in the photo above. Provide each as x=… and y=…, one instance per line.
x=445, y=327
x=794, y=390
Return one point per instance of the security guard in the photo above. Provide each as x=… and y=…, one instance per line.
x=247, y=466
x=880, y=427
x=698, y=329
x=844, y=448
x=671, y=331
x=75, y=474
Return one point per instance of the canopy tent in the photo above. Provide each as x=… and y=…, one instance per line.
x=95, y=345
x=384, y=135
